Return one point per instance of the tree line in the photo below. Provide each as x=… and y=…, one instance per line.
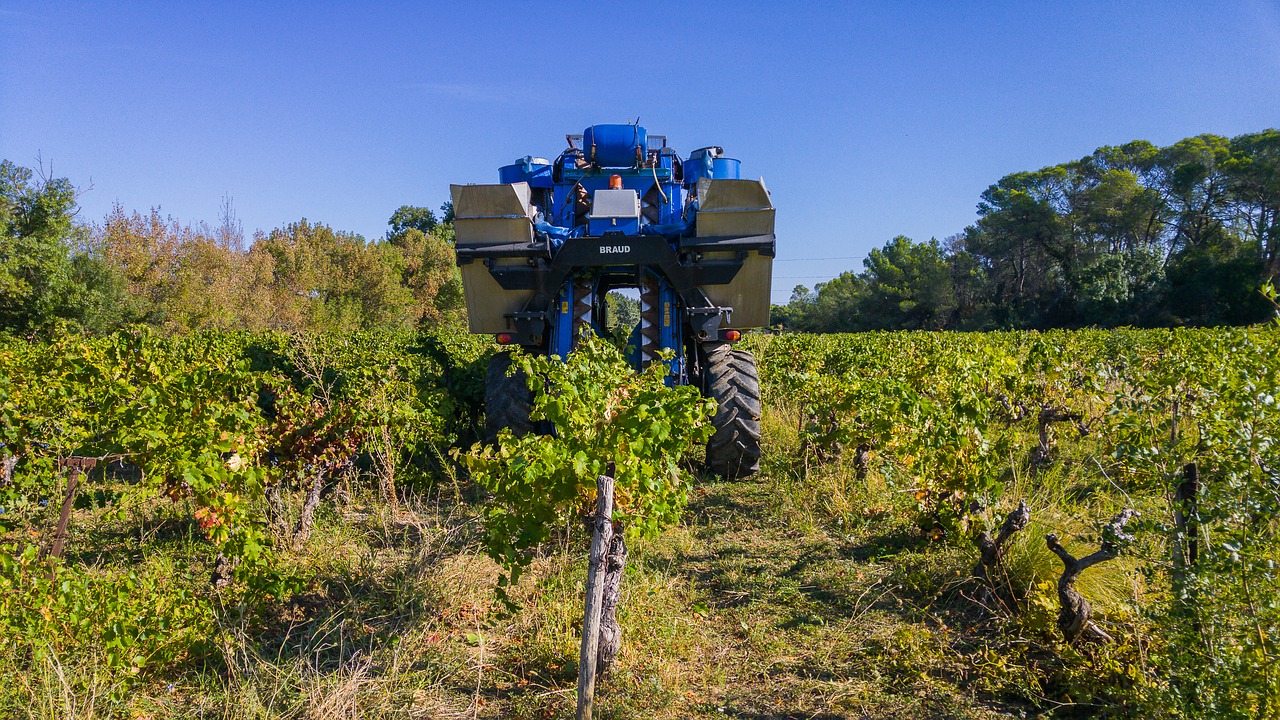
x=57, y=272
x=1133, y=234
x=1130, y=235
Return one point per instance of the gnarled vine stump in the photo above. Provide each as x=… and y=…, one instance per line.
x=1075, y=616
x=992, y=553
x=1042, y=454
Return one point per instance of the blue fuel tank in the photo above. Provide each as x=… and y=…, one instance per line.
x=534, y=170
x=614, y=145
x=710, y=162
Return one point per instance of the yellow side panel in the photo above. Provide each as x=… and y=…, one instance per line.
x=739, y=208
x=487, y=302
x=749, y=292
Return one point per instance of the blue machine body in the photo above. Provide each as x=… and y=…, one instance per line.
x=613, y=226
x=615, y=146
x=535, y=171
x=568, y=193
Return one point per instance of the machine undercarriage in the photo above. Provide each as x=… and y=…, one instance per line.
x=541, y=250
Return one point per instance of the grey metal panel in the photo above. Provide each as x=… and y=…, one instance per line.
x=749, y=292
x=734, y=207
x=492, y=214
x=623, y=203
x=488, y=302
x=486, y=201
x=716, y=195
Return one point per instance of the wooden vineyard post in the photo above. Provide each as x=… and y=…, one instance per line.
x=77, y=465
x=602, y=533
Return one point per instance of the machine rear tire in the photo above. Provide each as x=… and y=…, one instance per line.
x=508, y=401
x=729, y=378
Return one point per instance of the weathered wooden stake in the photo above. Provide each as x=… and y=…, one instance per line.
x=610, y=630
x=602, y=524
x=77, y=466
x=68, y=502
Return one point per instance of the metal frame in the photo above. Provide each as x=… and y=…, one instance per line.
x=681, y=267
x=553, y=270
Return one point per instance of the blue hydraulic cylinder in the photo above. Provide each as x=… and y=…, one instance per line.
x=561, y=340
x=670, y=334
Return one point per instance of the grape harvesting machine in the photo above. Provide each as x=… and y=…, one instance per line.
x=540, y=251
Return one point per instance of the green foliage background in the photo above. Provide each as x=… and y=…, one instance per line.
x=212, y=373
x=1133, y=234
x=605, y=415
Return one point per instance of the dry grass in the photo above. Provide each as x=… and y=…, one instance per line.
x=804, y=593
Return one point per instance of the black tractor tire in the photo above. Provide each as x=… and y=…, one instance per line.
x=729, y=377
x=508, y=401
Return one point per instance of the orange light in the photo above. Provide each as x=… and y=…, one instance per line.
x=732, y=335
x=504, y=338
x=615, y=182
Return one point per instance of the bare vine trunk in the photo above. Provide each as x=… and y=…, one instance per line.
x=277, y=513
x=862, y=460
x=1016, y=409
x=1075, y=619
x=385, y=460
x=1186, y=546
x=1049, y=415
x=306, y=518
x=992, y=554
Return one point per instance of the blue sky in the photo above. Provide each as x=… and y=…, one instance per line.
x=867, y=120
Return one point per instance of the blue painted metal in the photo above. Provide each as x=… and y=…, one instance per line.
x=673, y=207
x=531, y=170
x=613, y=146
x=723, y=168
x=707, y=163
x=667, y=212
x=671, y=334
x=561, y=340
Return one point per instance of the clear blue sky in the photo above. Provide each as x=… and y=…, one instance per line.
x=867, y=120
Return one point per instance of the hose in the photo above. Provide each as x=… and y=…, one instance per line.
x=654, y=168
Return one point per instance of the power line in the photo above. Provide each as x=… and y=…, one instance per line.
x=842, y=257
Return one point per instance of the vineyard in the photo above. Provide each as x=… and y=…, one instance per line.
x=1006, y=524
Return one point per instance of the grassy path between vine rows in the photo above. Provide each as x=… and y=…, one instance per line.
x=799, y=622
x=756, y=606
x=789, y=595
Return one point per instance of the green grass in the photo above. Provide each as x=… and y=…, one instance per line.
x=800, y=593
